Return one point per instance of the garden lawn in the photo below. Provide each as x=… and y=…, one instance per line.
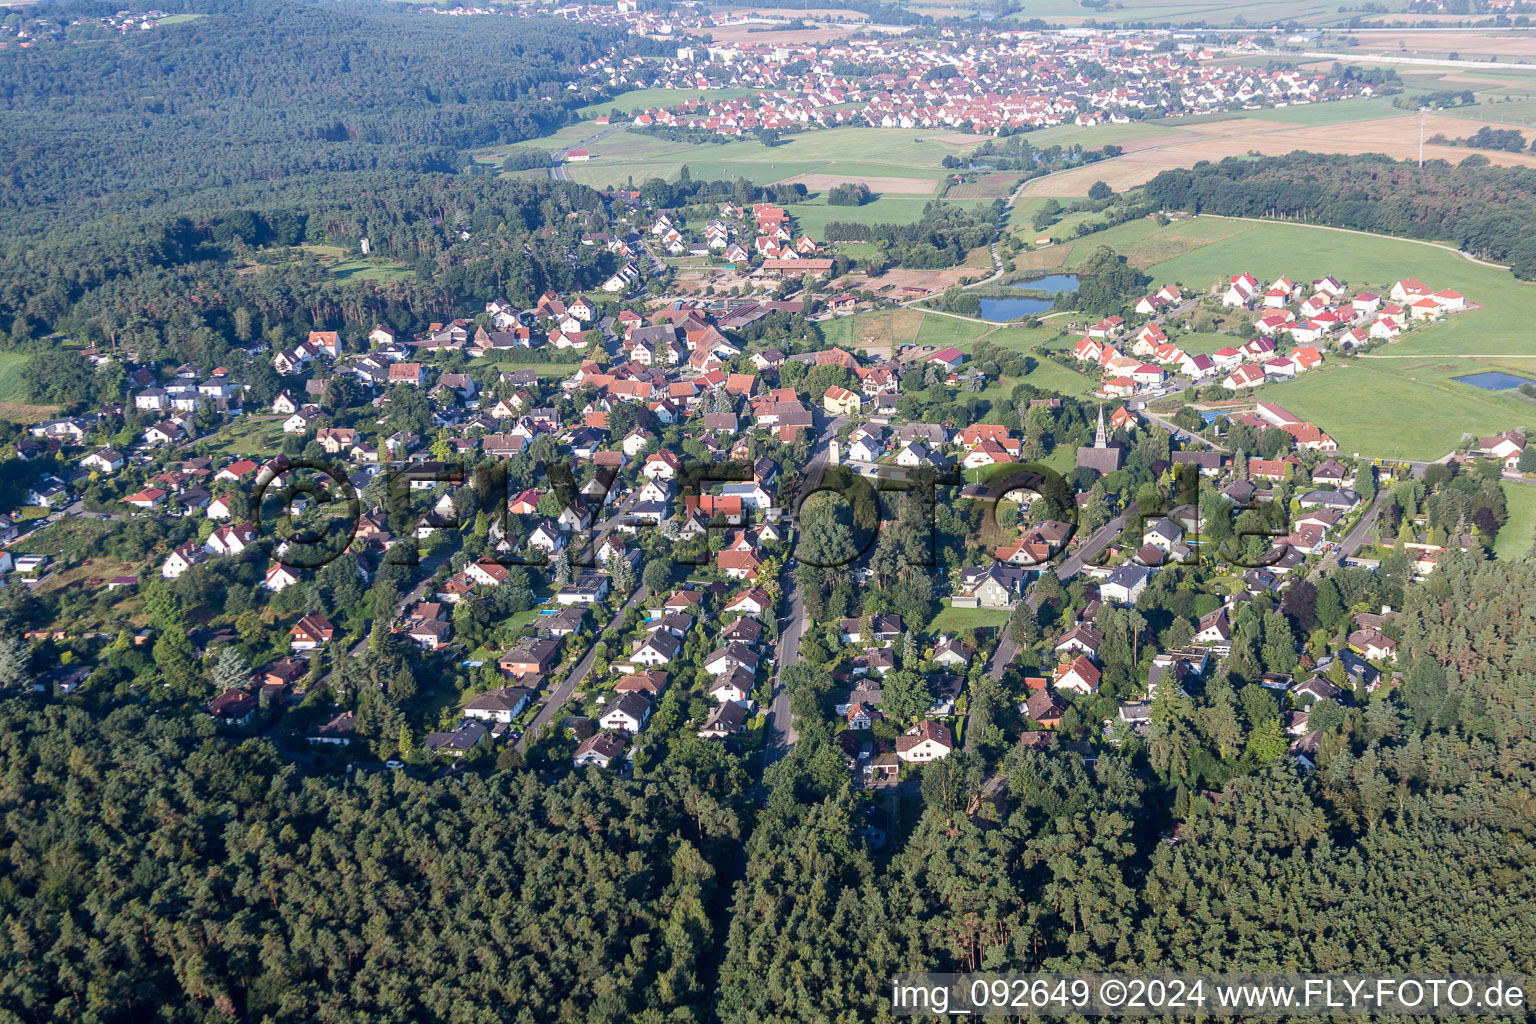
x=954, y=620
x=248, y=435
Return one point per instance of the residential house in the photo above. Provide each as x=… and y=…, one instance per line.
x=926, y=741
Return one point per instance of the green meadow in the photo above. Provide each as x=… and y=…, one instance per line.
x=1519, y=531
x=1399, y=401
x=10, y=376
x=854, y=152
x=1391, y=409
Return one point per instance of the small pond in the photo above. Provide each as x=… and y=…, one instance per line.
x=1052, y=283
x=1490, y=380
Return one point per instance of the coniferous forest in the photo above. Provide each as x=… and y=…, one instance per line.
x=264, y=90
x=153, y=871
x=165, y=193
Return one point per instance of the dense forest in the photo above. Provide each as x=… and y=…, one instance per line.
x=153, y=869
x=1410, y=848
x=152, y=872
x=1483, y=209
x=269, y=89
x=168, y=277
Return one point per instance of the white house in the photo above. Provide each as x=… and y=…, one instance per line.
x=1125, y=584
x=628, y=713
x=280, y=577
x=500, y=705
x=926, y=741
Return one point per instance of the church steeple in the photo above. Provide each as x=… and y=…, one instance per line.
x=1099, y=439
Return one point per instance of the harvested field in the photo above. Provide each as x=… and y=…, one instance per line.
x=928, y=281
x=876, y=184
x=21, y=412
x=1397, y=137
x=1505, y=42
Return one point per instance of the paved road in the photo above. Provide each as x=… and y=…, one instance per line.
x=427, y=567
x=1179, y=432
x=781, y=729
x=1006, y=648
x=557, y=171
x=573, y=678
x=1358, y=534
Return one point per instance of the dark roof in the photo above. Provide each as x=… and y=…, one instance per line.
x=1100, y=460
x=1044, y=705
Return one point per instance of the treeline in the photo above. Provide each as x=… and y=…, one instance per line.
x=153, y=869
x=1510, y=140
x=688, y=190
x=1482, y=208
x=269, y=89
x=1436, y=100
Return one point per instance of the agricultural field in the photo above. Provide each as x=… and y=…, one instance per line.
x=815, y=215
x=1351, y=126
x=1311, y=13
x=1509, y=44
x=892, y=158
x=10, y=376
x=1502, y=97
